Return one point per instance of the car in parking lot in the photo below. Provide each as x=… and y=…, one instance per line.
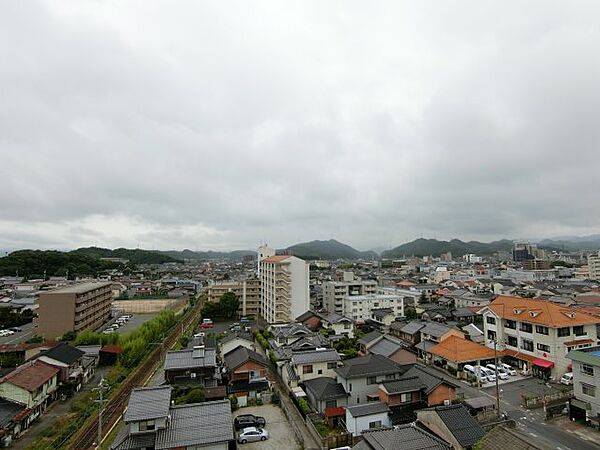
x=15, y=329
x=474, y=372
x=567, y=379
x=252, y=434
x=199, y=335
x=248, y=420
x=498, y=371
x=491, y=376
x=508, y=369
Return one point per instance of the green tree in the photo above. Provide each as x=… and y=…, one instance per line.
x=410, y=312
x=229, y=304
x=195, y=395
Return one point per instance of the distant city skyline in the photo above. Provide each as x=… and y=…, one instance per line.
x=207, y=126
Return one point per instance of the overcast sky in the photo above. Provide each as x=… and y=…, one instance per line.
x=221, y=125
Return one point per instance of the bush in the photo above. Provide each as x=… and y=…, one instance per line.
x=272, y=357
x=234, y=402
x=195, y=395
x=304, y=407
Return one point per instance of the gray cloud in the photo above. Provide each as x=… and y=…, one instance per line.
x=221, y=126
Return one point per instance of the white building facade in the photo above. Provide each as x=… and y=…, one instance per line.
x=334, y=292
x=359, y=307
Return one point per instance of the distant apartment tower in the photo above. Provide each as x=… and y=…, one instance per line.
x=594, y=266
x=334, y=292
x=285, y=292
x=264, y=251
x=247, y=292
x=81, y=306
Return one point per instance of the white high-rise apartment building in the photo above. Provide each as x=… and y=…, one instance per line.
x=594, y=266
x=285, y=292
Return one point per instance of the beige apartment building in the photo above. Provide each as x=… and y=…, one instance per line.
x=285, y=292
x=247, y=291
x=594, y=266
x=537, y=334
x=334, y=292
x=81, y=306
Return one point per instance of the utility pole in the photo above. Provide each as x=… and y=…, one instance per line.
x=497, y=388
x=102, y=386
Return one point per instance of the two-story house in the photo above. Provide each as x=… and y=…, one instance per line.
x=151, y=422
x=361, y=376
x=198, y=365
x=538, y=334
x=69, y=360
x=32, y=385
x=306, y=365
x=247, y=372
x=586, y=384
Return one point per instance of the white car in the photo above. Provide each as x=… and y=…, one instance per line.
x=567, y=378
x=252, y=434
x=199, y=335
x=508, y=369
x=499, y=371
x=491, y=376
x=474, y=373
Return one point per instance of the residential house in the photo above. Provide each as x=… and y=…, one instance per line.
x=10, y=421
x=586, y=383
x=151, y=422
x=411, y=332
x=333, y=322
x=32, y=385
x=361, y=376
x=306, y=365
x=538, y=334
x=325, y=392
x=370, y=416
x=405, y=437
x=235, y=340
x=70, y=361
x=453, y=424
x=390, y=347
x=196, y=366
x=289, y=333
x=248, y=373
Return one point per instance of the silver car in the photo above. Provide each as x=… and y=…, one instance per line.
x=252, y=434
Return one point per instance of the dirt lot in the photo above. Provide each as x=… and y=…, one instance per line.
x=281, y=435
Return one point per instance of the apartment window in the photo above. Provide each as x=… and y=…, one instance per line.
x=540, y=329
x=526, y=327
x=587, y=369
x=307, y=368
x=376, y=424
x=578, y=330
x=543, y=348
x=405, y=398
x=491, y=320
x=371, y=380
x=527, y=345
x=562, y=332
x=588, y=389
x=512, y=341
x=491, y=335
x=511, y=324
x=331, y=365
x=320, y=371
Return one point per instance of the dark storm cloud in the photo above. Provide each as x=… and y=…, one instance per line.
x=223, y=125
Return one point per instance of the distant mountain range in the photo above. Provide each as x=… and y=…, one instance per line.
x=207, y=255
x=330, y=249
x=433, y=247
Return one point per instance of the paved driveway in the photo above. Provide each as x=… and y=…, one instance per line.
x=281, y=436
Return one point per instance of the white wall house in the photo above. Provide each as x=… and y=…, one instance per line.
x=369, y=416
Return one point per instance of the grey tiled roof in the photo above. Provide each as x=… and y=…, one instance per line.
x=316, y=356
x=185, y=359
x=238, y=335
x=148, y=403
x=461, y=424
x=197, y=424
x=240, y=355
x=405, y=437
x=425, y=345
x=501, y=438
x=368, y=409
x=435, y=329
x=406, y=384
x=64, y=353
x=369, y=365
x=126, y=441
x=369, y=337
x=387, y=346
x=289, y=330
x=324, y=388
x=412, y=327
x=428, y=377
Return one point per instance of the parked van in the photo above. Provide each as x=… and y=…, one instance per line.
x=567, y=378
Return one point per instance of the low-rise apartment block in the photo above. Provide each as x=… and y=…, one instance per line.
x=538, y=334
x=246, y=291
x=334, y=292
x=359, y=307
x=79, y=307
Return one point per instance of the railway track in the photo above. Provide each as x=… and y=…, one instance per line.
x=86, y=438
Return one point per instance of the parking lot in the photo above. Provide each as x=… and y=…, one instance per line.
x=281, y=435
x=531, y=387
x=132, y=324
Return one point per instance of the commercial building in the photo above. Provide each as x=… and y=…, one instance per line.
x=334, y=292
x=81, y=306
x=285, y=292
x=538, y=334
x=247, y=292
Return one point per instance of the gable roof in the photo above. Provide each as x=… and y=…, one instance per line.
x=148, y=403
x=503, y=438
x=237, y=335
x=64, y=353
x=315, y=356
x=292, y=329
x=465, y=429
x=458, y=349
x=412, y=327
x=539, y=312
x=369, y=365
x=435, y=329
x=367, y=409
x=405, y=384
x=367, y=338
x=188, y=359
x=239, y=355
x=325, y=388
x=406, y=437
x=30, y=376
x=429, y=378
x=386, y=346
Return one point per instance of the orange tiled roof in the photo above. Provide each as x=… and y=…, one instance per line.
x=540, y=312
x=457, y=349
x=276, y=258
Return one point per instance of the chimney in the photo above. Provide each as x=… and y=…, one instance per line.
x=198, y=351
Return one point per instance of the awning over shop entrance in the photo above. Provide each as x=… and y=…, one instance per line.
x=543, y=363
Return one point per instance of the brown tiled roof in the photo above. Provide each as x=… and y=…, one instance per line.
x=276, y=258
x=31, y=376
x=540, y=312
x=457, y=349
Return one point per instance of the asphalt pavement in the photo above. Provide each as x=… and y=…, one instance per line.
x=20, y=336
